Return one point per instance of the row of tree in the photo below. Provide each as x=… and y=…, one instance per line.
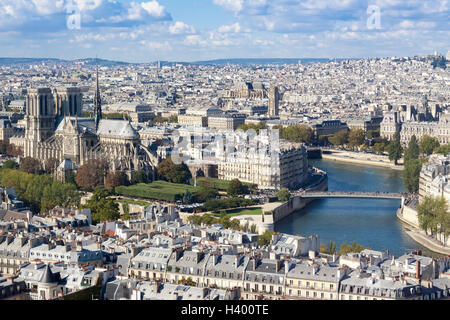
x=40, y=192
x=331, y=248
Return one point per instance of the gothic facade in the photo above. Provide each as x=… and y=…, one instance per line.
x=56, y=129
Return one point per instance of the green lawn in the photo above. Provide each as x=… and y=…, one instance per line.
x=240, y=212
x=221, y=185
x=136, y=202
x=158, y=190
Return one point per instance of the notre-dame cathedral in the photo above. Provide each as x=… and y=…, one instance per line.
x=55, y=128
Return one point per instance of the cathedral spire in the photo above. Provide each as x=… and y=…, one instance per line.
x=97, y=104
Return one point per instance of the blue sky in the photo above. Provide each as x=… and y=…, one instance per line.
x=191, y=30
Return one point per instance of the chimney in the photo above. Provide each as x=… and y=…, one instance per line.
x=417, y=269
x=312, y=254
x=277, y=265
x=156, y=287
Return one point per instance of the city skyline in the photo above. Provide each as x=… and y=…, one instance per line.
x=147, y=31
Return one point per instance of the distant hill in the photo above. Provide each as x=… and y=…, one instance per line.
x=262, y=61
x=87, y=61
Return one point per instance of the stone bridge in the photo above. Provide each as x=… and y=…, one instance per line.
x=360, y=195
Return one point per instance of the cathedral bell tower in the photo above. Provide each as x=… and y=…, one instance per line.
x=40, y=118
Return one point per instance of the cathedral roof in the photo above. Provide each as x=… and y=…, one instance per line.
x=117, y=128
x=84, y=124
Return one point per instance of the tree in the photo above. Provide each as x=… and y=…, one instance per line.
x=283, y=195
x=299, y=133
x=256, y=127
x=329, y=248
x=412, y=152
x=139, y=177
x=35, y=189
x=64, y=195
x=103, y=209
x=92, y=174
x=411, y=174
x=395, y=148
x=379, y=147
x=354, y=247
x=433, y=214
x=180, y=174
x=50, y=165
x=444, y=149
x=115, y=179
x=173, y=119
x=235, y=188
x=428, y=144
x=205, y=194
x=165, y=167
x=187, y=197
x=339, y=139
x=30, y=165
x=10, y=164
x=266, y=238
x=356, y=137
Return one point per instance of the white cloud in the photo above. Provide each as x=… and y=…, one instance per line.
x=231, y=5
x=233, y=28
x=154, y=9
x=181, y=28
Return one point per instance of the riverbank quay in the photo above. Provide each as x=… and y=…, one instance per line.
x=408, y=216
x=280, y=211
x=360, y=158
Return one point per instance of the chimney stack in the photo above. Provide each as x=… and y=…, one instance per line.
x=417, y=269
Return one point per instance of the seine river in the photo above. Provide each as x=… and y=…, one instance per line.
x=372, y=223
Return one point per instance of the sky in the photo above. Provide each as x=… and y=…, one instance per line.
x=194, y=30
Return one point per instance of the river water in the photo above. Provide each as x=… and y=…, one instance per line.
x=372, y=223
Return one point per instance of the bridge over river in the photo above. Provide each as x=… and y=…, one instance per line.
x=360, y=195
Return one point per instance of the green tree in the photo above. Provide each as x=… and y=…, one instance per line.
x=329, y=248
x=10, y=164
x=103, y=209
x=339, y=139
x=379, y=147
x=187, y=197
x=434, y=216
x=411, y=174
x=354, y=247
x=412, y=152
x=283, y=195
x=64, y=195
x=35, y=189
x=256, y=127
x=165, y=167
x=139, y=177
x=428, y=144
x=299, y=133
x=266, y=238
x=173, y=119
x=395, y=148
x=180, y=174
x=205, y=194
x=235, y=188
x=444, y=149
x=356, y=137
